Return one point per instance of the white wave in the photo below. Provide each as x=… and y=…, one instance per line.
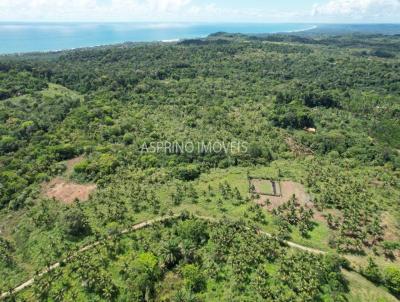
x=170, y=40
x=304, y=29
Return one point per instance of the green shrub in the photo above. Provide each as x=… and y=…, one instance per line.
x=194, y=277
x=187, y=173
x=64, y=151
x=372, y=272
x=392, y=280
x=128, y=138
x=74, y=222
x=8, y=144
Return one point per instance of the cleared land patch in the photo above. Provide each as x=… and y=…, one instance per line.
x=66, y=191
x=287, y=189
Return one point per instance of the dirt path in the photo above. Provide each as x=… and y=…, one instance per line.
x=297, y=148
x=288, y=243
x=132, y=229
x=83, y=249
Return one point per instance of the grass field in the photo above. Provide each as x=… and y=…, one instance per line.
x=361, y=290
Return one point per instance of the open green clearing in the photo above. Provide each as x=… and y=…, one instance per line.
x=262, y=186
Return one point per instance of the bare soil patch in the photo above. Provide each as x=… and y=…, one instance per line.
x=377, y=183
x=287, y=189
x=66, y=191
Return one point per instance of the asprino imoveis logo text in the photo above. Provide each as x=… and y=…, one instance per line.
x=175, y=147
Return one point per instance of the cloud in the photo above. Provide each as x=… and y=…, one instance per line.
x=194, y=11
x=212, y=11
x=140, y=10
x=89, y=10
x=167, y=5
x=359, y=9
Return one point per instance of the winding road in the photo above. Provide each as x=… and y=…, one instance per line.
x=133, y=228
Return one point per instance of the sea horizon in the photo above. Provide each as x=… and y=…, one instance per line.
x=31, y=37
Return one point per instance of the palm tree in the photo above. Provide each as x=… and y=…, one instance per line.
x=188, y=251
x=170, y=253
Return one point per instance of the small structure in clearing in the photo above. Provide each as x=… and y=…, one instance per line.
x=286, y=190
x=310, y=130
x=66, y=191
x=264, y=186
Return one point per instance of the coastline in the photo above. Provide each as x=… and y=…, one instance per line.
x=160, y=40
x=272, y=33
x=303, y=30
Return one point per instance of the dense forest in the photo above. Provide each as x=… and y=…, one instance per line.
x=318, y=117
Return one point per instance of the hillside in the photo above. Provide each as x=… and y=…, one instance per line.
x=297, y=137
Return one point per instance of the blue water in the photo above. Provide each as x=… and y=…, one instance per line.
x=29, y=37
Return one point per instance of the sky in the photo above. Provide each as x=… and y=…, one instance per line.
x=274, y=11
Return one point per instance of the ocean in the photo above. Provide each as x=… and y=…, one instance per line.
x=32, y=37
